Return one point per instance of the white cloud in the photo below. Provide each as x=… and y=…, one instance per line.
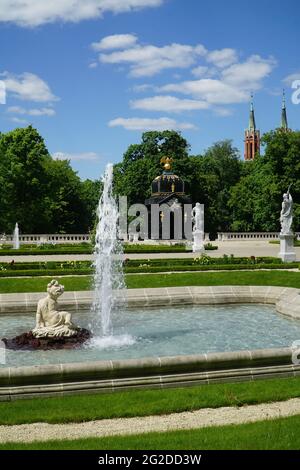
x=143, y=124
x=84, y=156
x=19, y=120
x=37, y=12
x=116, y=41
x=232, y=85
x=28, y=87
x=200, y=71
x=143, y=88
x=169, y=104
x=150, y=60
x=2, y=92
x=212, y=91
x=291, y=78
x=31, y=112
x=93, y=65
x=248, y=74
x=222, y=58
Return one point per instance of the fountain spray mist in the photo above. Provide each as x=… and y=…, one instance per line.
x=109, y=282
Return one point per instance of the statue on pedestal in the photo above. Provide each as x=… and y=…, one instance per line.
x=198, y=229
x=286, y=215
x=54, y=328
x=287, y=251
x=197, y=217
x=50, y=322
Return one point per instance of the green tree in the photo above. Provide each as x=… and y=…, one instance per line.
x=216, y=172
x=141, y=163
x=41, y=194
x=23, y=179
x=256, y=199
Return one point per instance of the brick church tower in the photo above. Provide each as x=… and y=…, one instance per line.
x=252, y=136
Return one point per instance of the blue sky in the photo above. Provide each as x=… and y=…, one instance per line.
x=92, y=76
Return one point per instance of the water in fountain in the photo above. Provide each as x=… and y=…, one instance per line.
x=109, y=285
x=16, y=238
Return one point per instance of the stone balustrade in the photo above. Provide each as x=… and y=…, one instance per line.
x=248, y=236
x=58, y=239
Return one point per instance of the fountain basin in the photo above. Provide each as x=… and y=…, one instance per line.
x=121, y=372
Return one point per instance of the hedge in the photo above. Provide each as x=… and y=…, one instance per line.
x=148, y=269
x=171, y=263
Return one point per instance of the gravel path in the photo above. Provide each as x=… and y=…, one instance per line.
x=111, y=427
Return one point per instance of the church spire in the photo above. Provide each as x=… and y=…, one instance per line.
x=252, y=136
x=252, y=125
x=284, y=122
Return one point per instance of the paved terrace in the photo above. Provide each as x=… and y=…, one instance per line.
x=236, y=248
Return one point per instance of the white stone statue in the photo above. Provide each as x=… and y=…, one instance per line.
x=198, y=218
x=50, y=322
x=286, y=215
x=198, y=229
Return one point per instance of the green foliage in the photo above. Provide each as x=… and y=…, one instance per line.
x=82, y=408
x=238, y=278
x=208, y=178
x=204, y=263
x=41, y=194
x=141, y=163
x=256, y=199
x=45, y=195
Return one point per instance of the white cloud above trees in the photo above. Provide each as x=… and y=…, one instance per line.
x=28, y=87
x=145, y=124
x=220, y=78
x=115, y=41
x=31, y=112
x=32, y=13
x=83, y=156
x=169, y=104
x=149, y=60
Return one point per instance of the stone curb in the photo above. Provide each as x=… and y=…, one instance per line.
x=155, y=372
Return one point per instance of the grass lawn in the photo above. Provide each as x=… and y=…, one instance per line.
x=80, y=408
x=257, y=278
x=279, y=434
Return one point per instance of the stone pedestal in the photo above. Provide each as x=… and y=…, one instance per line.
x=287, y=251
x=198, y=241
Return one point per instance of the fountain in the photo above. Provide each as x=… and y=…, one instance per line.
x=54, y=328
x=16, y=238
x=109, y=285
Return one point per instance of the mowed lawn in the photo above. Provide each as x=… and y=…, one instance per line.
x=74, y=283
x=80, y=408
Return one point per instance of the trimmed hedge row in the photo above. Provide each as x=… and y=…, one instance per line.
x=149, y=269
x=50, y=272
x=171, y=263
x=224, y=267
x=204, y=260
x=84, y=250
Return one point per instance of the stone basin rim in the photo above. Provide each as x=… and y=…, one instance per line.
x=285, y=299
x=154, y=372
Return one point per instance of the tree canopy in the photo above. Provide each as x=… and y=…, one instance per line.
x=42, y=194
x=46, y=195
